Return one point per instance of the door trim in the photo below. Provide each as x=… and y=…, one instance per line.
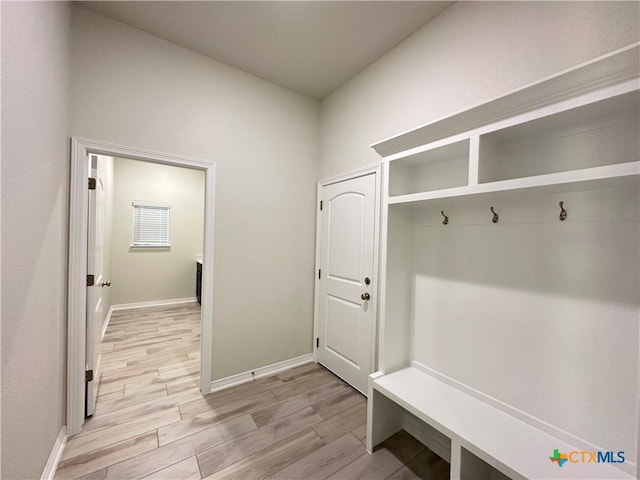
x=360, y=172
x=77, y=298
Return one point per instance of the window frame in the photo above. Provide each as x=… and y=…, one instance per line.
x=139, y=205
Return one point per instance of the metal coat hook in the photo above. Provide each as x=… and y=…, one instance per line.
x=446, y=219
x=563, y=212
x=495, y=216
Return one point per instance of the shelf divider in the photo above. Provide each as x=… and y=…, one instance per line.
x=474, y=159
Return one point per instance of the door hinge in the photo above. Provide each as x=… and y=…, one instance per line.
x=319, y=273
x=88, y=376
x=317, y=342
x=320, y=205
x=91, y=280
x=92, y=183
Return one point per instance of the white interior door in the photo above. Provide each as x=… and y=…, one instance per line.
x=346, y=313
x=95, y=306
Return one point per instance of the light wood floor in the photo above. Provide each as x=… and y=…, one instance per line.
x=151, y=421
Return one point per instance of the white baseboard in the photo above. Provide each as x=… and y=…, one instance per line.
x=153, y=303
x=55, y=455
x=244, y=377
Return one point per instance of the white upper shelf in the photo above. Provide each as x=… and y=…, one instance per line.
x=614, y=68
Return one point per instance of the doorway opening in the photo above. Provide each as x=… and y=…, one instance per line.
x=145, y=243
x=81, y=250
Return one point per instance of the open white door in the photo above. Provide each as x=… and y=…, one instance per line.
x=346, y=317
x=95, y=282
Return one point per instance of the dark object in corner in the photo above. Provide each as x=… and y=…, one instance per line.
x=198, y=281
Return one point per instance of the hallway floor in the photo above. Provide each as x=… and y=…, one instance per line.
x=151, y=421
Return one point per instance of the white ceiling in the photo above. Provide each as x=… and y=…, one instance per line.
x=310, y=47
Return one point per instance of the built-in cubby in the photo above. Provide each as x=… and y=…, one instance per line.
x=510, y=279
x=435, y=169
x=598, y=134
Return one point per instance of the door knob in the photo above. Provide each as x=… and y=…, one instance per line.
x=106, y=284
x=365, y=296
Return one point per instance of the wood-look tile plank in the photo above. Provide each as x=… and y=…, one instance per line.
x=137, y=398
x=182, y=384
x=404, y=446
x=323, y=462
x=297, y=402
x=428, y=466
x=113, y=339
x=105, y=348
x=308, y=382
x=279, y=410
x=342, y=423
x=98, y=459
x=113, y=365
x=140, y=410
x=111, y=383
x=222, y=397
x=333, y=405
x=114, y=356
x=185, y=470
x=173, y=353
x=325, y=391
x=191, y=425
x=160, y=333
x=360, y=433
x=167, y=455
x=141, y=388
x=90, y=441
x=186, y=365
x=97, y=475
x=272, y=459
x=235, y=450
x=136, y=343
x=377, y=466
x=299, y=371
x=107, y=397
x=178, y=374
x=404, y=473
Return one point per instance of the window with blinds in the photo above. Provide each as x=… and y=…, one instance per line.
x=150, y=224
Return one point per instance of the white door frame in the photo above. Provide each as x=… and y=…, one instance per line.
x=77, y=298
x=361, y=172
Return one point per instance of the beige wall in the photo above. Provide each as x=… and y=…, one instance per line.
x=134, y=89
x=146, y=274
x=470, y=53
x=35, y=159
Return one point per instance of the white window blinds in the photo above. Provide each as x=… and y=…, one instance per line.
x=150, y=224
